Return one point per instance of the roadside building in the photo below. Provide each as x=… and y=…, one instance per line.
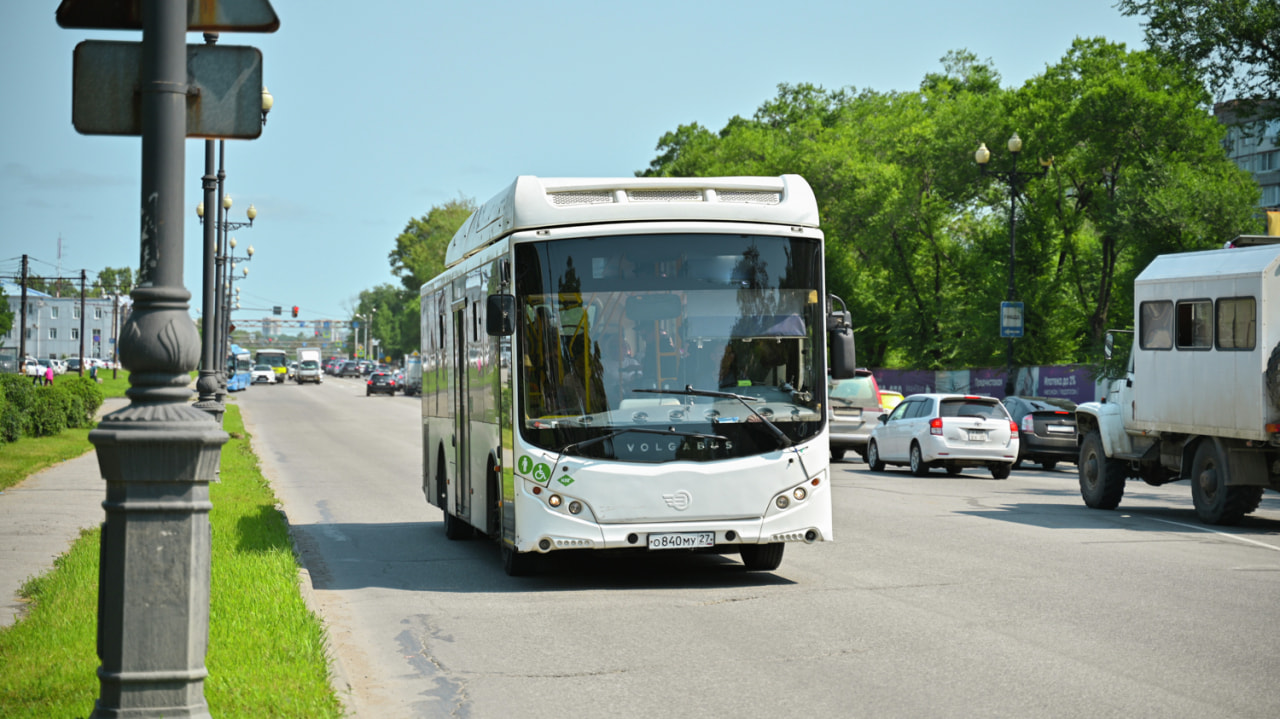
x=53, y=324
x=1254, y=145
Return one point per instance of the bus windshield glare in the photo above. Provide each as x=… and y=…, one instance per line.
x=603, y=317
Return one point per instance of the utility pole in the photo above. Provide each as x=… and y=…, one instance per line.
x=22, y=332
x=81, y=363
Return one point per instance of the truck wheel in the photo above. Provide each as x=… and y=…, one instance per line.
x=762, y=557
x=873, y=458
x=1216, y=503
x=1101, y=479
x=918, y=466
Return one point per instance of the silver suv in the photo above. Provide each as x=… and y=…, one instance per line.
x=853, y=408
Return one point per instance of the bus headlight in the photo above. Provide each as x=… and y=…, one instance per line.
x=575, y=507
x=800, y=494
x=782, y=501
x=554, y=500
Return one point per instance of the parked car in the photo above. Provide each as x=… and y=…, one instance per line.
x=852, y=409
x=349, y=369
x=1046, y=430
x=890, y=399
x=382, y=382
x=73, y=364
x=952, y=431
x=263, y=374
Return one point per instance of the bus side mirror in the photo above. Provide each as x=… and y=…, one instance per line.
x=499, y=316
x=841, y=346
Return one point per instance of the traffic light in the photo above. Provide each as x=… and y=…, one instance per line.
x=295, y=310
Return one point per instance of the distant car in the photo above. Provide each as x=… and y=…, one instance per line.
x=952, y=431
x=890, y=399
x=852, y=410
x=349, y=369
x=73, y=364
x=380, y=382
x=1046, y=430
x=263, y=374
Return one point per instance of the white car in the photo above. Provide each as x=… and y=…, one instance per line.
x=952, y=431
x=263, y=374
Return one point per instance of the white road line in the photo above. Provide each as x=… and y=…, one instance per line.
x=1221, y=534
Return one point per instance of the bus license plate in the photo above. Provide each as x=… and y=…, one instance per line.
x=684, y=540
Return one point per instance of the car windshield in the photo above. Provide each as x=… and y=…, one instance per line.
x=971, y=407
x=855, y=391
x=600, y=318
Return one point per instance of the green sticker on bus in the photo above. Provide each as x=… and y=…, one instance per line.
x=525, y=465
x=541, y=472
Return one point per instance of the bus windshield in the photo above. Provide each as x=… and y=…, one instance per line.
x=718, y=314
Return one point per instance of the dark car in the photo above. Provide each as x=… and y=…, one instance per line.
x=349, y=369
x=383, y=382
x=1047, y=430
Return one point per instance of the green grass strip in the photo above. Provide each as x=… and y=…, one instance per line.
x=28, y=455
x=266, y=649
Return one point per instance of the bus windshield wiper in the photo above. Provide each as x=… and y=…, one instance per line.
x=689, y=391
x=577, y=446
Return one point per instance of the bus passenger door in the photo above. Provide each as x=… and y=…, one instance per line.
x=461, y=418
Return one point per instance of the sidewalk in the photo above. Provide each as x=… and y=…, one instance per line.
x=43, y=515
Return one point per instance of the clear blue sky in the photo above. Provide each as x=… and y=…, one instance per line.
x=388, y=108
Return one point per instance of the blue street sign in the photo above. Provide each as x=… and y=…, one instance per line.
x=1011, y=319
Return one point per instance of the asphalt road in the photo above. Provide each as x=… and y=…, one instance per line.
x=940, y=597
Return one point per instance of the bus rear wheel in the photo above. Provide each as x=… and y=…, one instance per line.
x=762, y=557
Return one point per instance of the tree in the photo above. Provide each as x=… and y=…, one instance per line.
x=419, y=252
x=1139, y=170
x=918, y=241
x=115, y=281
x=6, y=314
x=1233, y=44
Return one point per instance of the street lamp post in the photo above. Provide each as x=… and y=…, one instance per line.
x=212, y=384
x=1011, y=177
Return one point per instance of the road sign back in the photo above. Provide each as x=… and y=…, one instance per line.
x=226, y=79
x=202, y=15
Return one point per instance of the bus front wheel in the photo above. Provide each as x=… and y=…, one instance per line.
x=762, y=557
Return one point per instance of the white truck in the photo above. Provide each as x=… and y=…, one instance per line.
x=1201, y=398
x=308, y=366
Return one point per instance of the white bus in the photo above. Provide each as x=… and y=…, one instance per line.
x=633, y=364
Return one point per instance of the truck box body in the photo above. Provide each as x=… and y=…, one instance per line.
x=309, y=369
x=1204, y=383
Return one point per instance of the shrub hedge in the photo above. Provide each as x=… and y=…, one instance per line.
x=27, y=410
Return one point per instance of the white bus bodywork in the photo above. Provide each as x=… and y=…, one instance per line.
x=586, y=426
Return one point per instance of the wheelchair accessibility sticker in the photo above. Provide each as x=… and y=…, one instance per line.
x=539, y=472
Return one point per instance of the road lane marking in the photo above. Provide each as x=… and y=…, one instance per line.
x=1221, y=534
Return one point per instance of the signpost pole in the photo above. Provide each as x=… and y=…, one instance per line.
x=159, y=453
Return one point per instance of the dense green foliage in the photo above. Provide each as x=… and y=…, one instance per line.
x=1233, y=44
x=6, y=314
x=919, y=240
x=38, y=411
